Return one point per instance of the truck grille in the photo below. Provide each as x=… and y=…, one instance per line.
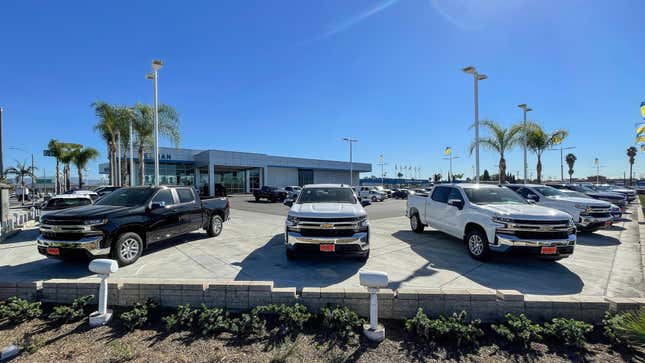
x=63, y=236
x=539, y=230
x=306, y=232
x=327, y=220
x=63, y=222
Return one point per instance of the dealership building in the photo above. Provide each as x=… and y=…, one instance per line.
x=240, y=172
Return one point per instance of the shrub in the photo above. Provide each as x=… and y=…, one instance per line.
x=212, y=321
x=183, y=318
x=568, y=331
x=518, y=329
x=77, y=311
x=289, y=319
x=627, y=328
x=138, y=316
x=247, y=325
x=17, y=310
x=453, y=329
x=343, y=321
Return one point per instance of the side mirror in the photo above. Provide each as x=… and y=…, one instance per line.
x=288, y=202
x=155, y=206
x=530, y=201
x=456, y=203
x=533, y=197
x=365, y=203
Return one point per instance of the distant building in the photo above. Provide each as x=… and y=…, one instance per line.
x=240, y=172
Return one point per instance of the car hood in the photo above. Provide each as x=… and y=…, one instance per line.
x=89, y=211
x=525, y=211
x=598, y=194
x=586, y=201
x=327, y=210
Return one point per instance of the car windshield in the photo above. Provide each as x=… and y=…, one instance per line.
x=127, y=197
x=493, y=196
x=327, y=195
x=584, y=189
x=63, y=203
x=550, y=192
x=572, y=193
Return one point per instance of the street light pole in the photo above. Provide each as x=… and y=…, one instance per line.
x=382, y=164
x=351, y=171
x=525, y=109
x=156, y=65
x=118, y=158
x=131, y=173
x=477, y=77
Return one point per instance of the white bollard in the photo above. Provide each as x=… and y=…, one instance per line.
x=373, y=280
x=103, y=267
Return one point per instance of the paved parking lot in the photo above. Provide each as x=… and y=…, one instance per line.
x=251, y=248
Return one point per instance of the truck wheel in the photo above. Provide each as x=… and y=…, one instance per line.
x=215, y=226
x=415, y=223
x=127, y=249
x=373, y=199
x=477, y=244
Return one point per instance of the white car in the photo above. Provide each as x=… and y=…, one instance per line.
x=493, y=219
x=93, y=195
x=370, y=193
x=292, y=191
x=589, y=214
x=64, y=201
x=327, y=219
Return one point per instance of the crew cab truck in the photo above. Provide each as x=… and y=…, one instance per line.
x=493, y=219
x=588, y=214
x=123, y=223
x=271, y=194
x=327, y=219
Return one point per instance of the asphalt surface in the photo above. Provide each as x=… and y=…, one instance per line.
x=251, y=247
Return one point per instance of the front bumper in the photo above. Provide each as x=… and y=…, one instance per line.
x=507, y=243
x=358, y=243
x=89, y=246
x=589, y=222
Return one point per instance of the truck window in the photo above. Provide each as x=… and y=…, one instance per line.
x=440, y=194
x=185, y=195
x=164, y=197
x=455, y=194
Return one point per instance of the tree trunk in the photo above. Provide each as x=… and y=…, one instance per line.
x=22, y=183
x=80, y=178
x=570, y=176
x=502, y=170
x=68, y=183
x=630, y=173
x=539, y=168
x=57, y=176
x=124, y=170
x=142, y=166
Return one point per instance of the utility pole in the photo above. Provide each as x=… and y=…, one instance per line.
x=382, y=164
x=118, y=161
x=562, y=159
x=525, y=109
x=131, y=173
x=351, y=171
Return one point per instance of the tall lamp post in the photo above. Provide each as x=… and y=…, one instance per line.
x=525, y=109
x=351, y=171
x=131, y=173
x=382, y=164
x=118, y=158
x=156, y=65
x=477, y=77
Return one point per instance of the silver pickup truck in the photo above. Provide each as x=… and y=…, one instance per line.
x=327, y=219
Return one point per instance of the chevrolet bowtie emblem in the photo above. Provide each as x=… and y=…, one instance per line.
x=327, y=226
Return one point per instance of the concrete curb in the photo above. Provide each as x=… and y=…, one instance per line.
x=485, y=304
x=641, y=234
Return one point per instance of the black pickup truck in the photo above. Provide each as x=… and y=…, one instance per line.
x=123, y=223
x=272, y=194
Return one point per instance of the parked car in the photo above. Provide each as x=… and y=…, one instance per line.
x=401, y=194
x=611, y=197
x=640, y=186
x=101, y=191
x=387, y=192
x=271, y=194
x=630, y=194
x=293, y=191
x=328, y=219
x=588, y=214
x=64, y=201
x=123, y=223
x=93, y=195
x=493, y=219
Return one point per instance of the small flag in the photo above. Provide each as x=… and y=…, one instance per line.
x=643, y=109
x=640, y=129
x=448, y=150
x=640, y=139
x=643, y=148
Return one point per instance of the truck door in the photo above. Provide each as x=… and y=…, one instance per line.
x=189, y=209
x=453, y=220
x=436, y=207
x=164, y=216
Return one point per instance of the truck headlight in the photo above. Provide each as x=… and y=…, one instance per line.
x=362, y=224
x=580, y=206
x=292, y=221
x=95, y=222
x=501, y=220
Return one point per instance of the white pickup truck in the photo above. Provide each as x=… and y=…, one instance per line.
x=493, y=219
x=589, y=214
x=327, y=219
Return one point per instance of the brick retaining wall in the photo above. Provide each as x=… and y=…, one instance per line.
x=485, y=304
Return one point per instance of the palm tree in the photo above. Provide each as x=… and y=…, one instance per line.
x=631, y=152
x=539, y=140
x=20, y=171
x=502, y=140
x=571, y=159
x=143, y=128
x=112, y=121
x=80, y=159
x=66, y=158
x=57, y=149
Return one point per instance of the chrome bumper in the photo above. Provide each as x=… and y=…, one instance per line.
x=508, y=240
x=360, y=238
x=587, y=220
x=91, y=244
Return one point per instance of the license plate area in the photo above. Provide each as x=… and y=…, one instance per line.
x=549, y=250
x=53, y=251
x=328, y=247
x=608, y=224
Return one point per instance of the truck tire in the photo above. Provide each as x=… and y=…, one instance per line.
x=215, y=226
x=477, y=244
x=415, y=223
x=127, y=249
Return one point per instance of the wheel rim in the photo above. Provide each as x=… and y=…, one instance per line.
x=476, y=244
x=217, y=225
x=413, y=222
x=129, y=249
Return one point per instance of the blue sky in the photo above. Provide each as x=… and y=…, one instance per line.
x=294, y=77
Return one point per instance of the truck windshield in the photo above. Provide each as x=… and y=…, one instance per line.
x=127, y=197
x=63, y=203
x=327, y=195
x=493, y=196
x=550, y=192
